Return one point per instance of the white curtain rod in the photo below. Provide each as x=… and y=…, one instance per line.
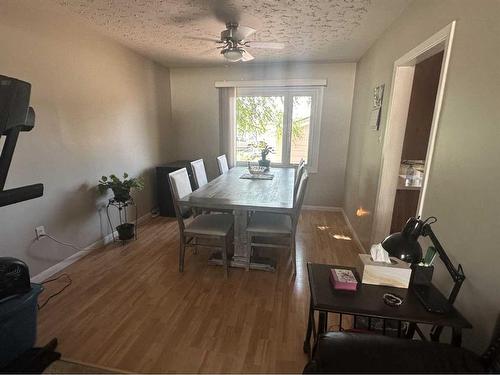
x=272, y=83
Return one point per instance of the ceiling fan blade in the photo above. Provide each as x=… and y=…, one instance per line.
x=205, y=39
x=209, y=52
x=266, y=45
x=243, y=32
x=246, y=56
x=187, y=18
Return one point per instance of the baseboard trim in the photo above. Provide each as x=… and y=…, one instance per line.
x=321, y=208
x=44, y=275
x=353, y=232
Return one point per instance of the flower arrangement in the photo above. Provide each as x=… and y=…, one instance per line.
x=264, y=150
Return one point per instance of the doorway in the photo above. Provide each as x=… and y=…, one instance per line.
x=413, y=116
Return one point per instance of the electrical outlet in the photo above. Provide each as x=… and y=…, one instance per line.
x=40, y=232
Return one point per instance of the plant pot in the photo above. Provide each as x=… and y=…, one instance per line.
x=126, y=231
x=265, y=163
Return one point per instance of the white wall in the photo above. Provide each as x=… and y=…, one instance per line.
x=100, y=109
x=195, y=116
x=463, y=187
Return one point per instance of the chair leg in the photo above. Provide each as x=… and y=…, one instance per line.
x=182, y=251
x=249, y=251
x=293, y=255
x=224, y=257
x=195, y=246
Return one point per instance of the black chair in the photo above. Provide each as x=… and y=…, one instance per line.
x=341, y=352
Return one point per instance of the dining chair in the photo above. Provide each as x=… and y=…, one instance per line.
x=204, y=227
x=264, y=226
x=300, y=170
x=199, y=173
x=222, y=164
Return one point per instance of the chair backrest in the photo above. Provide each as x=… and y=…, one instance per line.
x=491, y=357
x=299, y=198
x=199, y=172
x=180, y=186
x=298, y=175
x=222, y=164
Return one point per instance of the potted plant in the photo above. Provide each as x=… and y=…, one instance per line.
x=264, y=150
x=121, y=190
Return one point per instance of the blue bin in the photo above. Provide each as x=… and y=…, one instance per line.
x=18, y=324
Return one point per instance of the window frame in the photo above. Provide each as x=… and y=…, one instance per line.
x=316, y=92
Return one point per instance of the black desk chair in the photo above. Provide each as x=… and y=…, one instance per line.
x=340, y=352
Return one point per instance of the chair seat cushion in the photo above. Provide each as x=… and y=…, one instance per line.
x=211, y=225
x=365, y=353
x=265, y=222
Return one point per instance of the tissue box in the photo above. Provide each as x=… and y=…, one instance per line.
x=396, y=274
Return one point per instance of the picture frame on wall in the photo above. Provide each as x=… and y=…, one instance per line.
x=376, y=111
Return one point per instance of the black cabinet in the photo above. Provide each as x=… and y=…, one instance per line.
x=165, y=201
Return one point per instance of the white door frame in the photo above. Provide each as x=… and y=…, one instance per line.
x=402, y=81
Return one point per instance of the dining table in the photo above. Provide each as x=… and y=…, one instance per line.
x=242, y=196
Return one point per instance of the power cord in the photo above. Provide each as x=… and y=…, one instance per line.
x=60, y=242
x=58, y=292
x=60, y=276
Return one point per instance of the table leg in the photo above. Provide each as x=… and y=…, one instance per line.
x=240, y=236
x=240, y=247
x=436, y=333
x=456, y=337
x=322, y=322
x=410, y=332
x=322, y=328
x=310, y=322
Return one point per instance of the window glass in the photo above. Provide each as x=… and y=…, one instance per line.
x=301, y=123
x=259, y=119
x=288, y=119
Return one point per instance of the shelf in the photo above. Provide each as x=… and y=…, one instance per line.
x=402, y=186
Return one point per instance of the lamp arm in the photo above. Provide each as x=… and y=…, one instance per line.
x=457, y=274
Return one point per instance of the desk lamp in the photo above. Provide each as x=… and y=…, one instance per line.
x=404, y=245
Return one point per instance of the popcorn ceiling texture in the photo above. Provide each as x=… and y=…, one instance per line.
x=169, y=31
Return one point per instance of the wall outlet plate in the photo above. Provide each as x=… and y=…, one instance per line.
x=40, y=232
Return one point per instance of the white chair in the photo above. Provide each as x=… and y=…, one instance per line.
x=265, y=225
x=199, y=173
x=203, y=227
x=298, y=175
x=222, y=164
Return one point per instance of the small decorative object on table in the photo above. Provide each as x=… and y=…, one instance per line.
x=343, y=279
x=257, y=172
x=256, y=169
x=121, y=200
x=264, y=150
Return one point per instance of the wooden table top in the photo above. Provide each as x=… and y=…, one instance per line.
x=229, y=191
x=368, y=301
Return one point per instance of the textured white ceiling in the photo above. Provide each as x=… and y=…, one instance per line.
x=312, y=30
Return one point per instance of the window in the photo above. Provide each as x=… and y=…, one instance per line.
x=286, y=118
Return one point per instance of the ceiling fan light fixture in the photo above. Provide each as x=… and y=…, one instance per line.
x=233, y=54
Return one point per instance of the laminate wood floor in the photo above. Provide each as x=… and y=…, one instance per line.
x=129, y=308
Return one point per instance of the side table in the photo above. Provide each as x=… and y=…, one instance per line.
x=368, y=301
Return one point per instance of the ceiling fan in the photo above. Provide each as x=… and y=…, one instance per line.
x=234, y=42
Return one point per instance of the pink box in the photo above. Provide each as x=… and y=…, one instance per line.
x=343, y=279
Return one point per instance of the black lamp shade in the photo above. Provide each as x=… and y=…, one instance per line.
x=403, y=247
